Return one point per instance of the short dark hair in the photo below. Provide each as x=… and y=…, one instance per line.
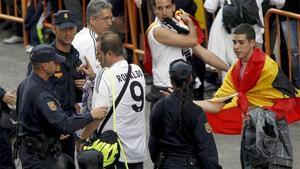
x=111, y=41
x=154, y=2
x=246, y=29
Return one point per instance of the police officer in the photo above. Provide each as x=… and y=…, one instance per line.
x=41, y=118
x=67, y=80
x=180, y=136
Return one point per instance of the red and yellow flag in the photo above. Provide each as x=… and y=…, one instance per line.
x=263, y=84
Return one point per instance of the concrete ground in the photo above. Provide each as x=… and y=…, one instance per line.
x=13, y=62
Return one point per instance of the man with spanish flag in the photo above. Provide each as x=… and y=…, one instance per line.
x=255, y=81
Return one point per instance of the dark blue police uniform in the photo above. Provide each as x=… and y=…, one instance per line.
x=190, y=145
x=41, y=118
x=69, y=95
x=6, y=161
x=41, y=113
x=63, y=80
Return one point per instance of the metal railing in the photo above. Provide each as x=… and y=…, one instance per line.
x=15, y=16
x=288, y=16
x=135, y=27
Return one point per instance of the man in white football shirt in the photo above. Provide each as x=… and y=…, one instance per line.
x=99, y=19
x=130, y=112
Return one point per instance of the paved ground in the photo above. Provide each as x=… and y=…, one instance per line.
x=13, y=62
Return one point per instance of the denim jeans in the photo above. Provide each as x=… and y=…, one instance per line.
x=293, y=41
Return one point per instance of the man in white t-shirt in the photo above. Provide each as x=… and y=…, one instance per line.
x=130, y=112
x=168, y=44
x=99, y=19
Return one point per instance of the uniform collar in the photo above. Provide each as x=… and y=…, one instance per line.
x=40, y=80
x=69, y=59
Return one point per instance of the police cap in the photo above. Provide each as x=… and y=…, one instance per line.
x=64, y=19
x=45, y=53
x=180, y=69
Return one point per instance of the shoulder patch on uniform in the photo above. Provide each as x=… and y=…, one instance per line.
x=52, y=105
x=98, y=78
x=208, y=128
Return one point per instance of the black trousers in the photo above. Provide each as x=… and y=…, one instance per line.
x=68, y=145
x=6, y=161
x=121, y=165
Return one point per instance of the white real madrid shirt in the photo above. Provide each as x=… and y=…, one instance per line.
x=85, y=42
x=130, y=112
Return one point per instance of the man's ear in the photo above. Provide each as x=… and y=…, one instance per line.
x=173, y=8
x=92, y=20
x=44, y=66
x=252, y=43
x=154, y=10
x=53, y=30
x=110, y=53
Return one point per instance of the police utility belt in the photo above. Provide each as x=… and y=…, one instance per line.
x=41, y=145
x=185, y=160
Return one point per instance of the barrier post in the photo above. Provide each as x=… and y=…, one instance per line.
x=288, y=15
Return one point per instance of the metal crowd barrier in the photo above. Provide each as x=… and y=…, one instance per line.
x=134, y=22
x=15, y=16
x=288, y=16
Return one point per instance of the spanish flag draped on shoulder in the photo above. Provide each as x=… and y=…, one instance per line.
x=263, y=84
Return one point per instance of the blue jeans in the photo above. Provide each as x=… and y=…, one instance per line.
x=294, y=48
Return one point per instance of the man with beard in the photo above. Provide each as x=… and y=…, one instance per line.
x=42, y=121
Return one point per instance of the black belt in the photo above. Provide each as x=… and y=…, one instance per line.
x=33, y=145
x=188, y=161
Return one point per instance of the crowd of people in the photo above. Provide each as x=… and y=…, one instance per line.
x=81, y=89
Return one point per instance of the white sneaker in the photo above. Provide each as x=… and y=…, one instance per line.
x=28, y=48
x=12, y=40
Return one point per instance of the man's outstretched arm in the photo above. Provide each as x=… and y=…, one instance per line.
x=210, y=58
x=212, y=107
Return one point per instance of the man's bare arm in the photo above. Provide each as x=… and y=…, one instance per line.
x=212, y=107
x=89, y=129
x=210, y=58
x=171, y=38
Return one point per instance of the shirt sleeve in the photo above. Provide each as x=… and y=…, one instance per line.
x=102, y=91
x=57, y=119
x=206, y=147
x=211, y=6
